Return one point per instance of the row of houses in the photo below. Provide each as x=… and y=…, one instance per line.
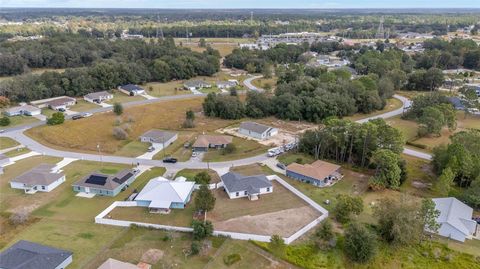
x=35, y=107
x=202, y=84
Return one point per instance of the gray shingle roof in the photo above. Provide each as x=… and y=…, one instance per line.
x=29, y=255
x=235, y=182
x=131, y=87
x=254, y=127
x=159, y=136
x=97, y=95
x=40, y=175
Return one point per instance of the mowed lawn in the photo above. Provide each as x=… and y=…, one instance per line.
x=159, y=89
x=191, y=173
x=7, y=142
x=120, y=97
x=20, y=120
x=85, y=134
x=177, y=149
x=244, y=148
x=82, y=106
x=17, y=152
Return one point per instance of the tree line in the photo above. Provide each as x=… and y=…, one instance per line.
x=132, y=62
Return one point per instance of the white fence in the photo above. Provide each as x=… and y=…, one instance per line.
x=100, y=218
x=210, y=186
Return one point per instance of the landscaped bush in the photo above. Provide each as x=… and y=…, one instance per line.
x=4, y=121
x=231, y=259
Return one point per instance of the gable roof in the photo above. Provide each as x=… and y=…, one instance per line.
x=162, y=192
x=197, y=83
x=96, y=95
x=29, y=255
x=235, y=182
x=204, y=141
x=105, y=182
x=453, y=212
x=17, y=109
x=116, y=264
x=254, y=127
x=60, y=101
x=40, y=175
x=159, y=136
x=131, y=87
x=317, y=170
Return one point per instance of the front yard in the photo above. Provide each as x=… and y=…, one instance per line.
x=244, y=148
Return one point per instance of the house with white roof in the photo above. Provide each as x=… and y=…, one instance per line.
x=27, y=110
x=161, y=195
x=455, y=219
x=257, y=130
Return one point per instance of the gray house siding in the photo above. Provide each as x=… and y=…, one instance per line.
x=304, y=178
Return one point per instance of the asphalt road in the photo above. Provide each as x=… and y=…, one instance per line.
x=17, y=134
x=248, y=83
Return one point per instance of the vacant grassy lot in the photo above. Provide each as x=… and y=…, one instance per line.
x=163, y=115
x=262, y=82
x=134, y=242
x=177, y=149
x=6, y=142
x=243, y=148
x=159, y=89
x=292, y=157
x=82, y=106
x=133, y=148
x=191, y=173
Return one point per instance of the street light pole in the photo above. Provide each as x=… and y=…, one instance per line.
x=100, y=153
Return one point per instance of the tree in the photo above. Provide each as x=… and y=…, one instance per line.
x=194, y=248
x=56, y=118
x=267, y=70
x=4, y=121
x=202, y=230
x=251, y=68
x=346, y=206
x=429, y=215
x=387, y=170
x=202, y=178
x=189, y=119
x=118, y=109
x=277, y=245
x=202, y=43
x=325, y=231
x=204, y=199
x=432, y=121
x=4, y=102
x=229, y=149
x=445, y=181
x=360, y=244
x=119, y=133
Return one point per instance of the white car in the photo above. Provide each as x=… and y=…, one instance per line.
x=194, y=154
x=87, y=114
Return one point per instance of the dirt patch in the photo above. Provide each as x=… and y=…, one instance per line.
x=421, y=185
x=284, y=222
x=152, y=256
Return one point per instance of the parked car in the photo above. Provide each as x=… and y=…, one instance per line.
x=281, y=166
x=61, y=109
x=194, y=154
x=77, y=117
x=86, y=114
x=150, y=149
x=170, y=160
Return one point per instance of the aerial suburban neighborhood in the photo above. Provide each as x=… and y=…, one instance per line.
x=229, y=134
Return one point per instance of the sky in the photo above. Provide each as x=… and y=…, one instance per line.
x=184, y=4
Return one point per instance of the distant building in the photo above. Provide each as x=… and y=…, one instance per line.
x=26, y=110
x=319, y=173
x=227, y=84
x=455, y=219
x=42, y=178
x=204, y=142
x=161, y=195
x=29, y=255
x=257, y=130
x=196, y=85
x=105, y=185
x=98, y=97
x=131, y=89
x=237, y=185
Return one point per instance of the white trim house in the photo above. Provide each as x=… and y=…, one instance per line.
x=455, y=219
x=257, y=130
x=41, y=178
x=27, y=110
x=238, y=186
x=98, y=97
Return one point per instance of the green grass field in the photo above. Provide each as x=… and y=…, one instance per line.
x=6, y=142
x=120, y=97
x=133, y=148
x=158, y=89
x=82, y=106
x=244, y=149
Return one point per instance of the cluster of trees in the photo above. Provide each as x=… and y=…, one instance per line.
x=433, y=112
x=459, y=163
x=121, y=62
x=452, y=54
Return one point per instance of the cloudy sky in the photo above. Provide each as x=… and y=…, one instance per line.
x=243, y=3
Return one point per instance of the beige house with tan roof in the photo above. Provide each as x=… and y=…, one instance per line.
x=319, y=173
x=204, y=142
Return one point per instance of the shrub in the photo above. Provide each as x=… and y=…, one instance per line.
x=119, y=133
x=231, y=259
x=118, y=109
x=201, y=229
x=202, y=178
x=188, y=123
x=195, y=248
x=56, y=118
x=19, y=217
x=230, y=148
x=359, y=244
x=277, y=245
x=4, y=121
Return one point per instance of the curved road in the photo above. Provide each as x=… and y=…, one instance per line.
x=17, y=134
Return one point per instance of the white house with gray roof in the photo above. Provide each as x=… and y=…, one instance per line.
x=98, y=97
x=27, y=110
x=257, y=130
x=30, y=255
x=41, y=178
x=196, y=85
x=455, y=219
x=158, y=138
x=238, y=186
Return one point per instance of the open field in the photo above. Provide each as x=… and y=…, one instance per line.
x=133, y=148
x=243, y=148
x=6, y=142
x=191, y=173
x=262, y=82
x=163, y=115
x=292, y=157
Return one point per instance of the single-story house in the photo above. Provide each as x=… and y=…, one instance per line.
x=257, y=130
x=204, y=142
x=98, y=97
x=26, y=255
x=227, y=84
x=238, y=73
x=131, y=89
x=159, y=138
x=457, y=103
x=27, y=110
x=160, y=195
x=455, y=219
x=61, y=103
x=237, y=185
x=319, y=173
x=41, y=178
x=196, y=85
x=106, y=185
x=116, y=264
